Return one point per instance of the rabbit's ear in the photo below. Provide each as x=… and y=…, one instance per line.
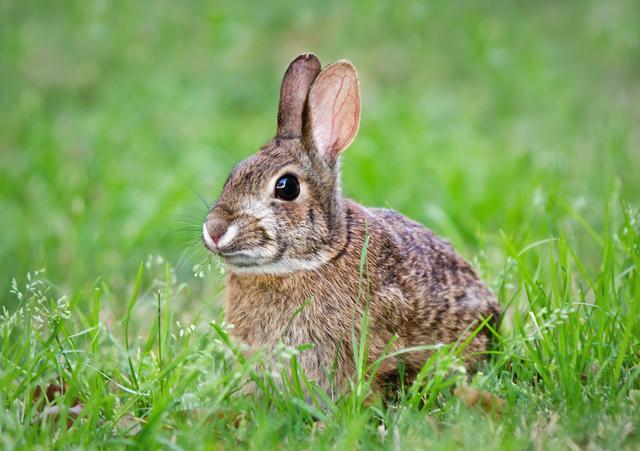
x=293, y=94
x=333, y=113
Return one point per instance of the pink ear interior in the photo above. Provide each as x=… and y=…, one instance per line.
x=293, y=94
x=334, y=108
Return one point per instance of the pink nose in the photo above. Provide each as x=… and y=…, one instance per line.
x=215, y=228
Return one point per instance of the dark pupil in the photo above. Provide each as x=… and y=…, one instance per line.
x=287, y=187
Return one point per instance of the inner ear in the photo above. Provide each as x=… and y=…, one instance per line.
x=297, y=80
x=333, y=110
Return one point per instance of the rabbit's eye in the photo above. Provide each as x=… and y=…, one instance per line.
x=287, y=187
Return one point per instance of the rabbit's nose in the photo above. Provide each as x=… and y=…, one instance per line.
x=214, y=229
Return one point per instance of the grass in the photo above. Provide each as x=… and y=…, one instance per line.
x=508, y=127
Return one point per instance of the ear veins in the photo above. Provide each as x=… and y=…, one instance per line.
x=348, y=99
x=335, y=111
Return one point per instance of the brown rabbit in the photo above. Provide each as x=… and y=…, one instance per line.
x=286, y=236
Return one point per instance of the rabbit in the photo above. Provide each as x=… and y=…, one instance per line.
x=287, y=237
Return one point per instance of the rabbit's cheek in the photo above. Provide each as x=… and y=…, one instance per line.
x=253, y=241
x=261, y=213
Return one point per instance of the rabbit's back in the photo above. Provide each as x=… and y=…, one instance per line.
x=447, y=299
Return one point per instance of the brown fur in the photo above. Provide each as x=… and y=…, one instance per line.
x=285, y=253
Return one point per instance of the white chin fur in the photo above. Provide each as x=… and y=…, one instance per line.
x=283, y=266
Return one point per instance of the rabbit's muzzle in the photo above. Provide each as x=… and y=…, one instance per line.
x=241, y=239
x=213, y=230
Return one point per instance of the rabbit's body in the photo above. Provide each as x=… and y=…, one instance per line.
x=419, y=289
x=293, y=246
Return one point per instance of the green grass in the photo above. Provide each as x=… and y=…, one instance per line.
x=511, y=128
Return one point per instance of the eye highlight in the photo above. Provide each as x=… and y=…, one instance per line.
x=287, y=187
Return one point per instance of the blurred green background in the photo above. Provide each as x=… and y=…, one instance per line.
x=120, y=120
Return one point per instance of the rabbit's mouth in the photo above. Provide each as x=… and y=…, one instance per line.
x=241, y=257
x=238, y=258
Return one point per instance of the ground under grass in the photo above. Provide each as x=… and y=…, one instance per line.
x=508, y=127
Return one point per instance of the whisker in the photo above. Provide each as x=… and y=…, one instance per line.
x=206, y=204
x=255, y=219
x=188, y=229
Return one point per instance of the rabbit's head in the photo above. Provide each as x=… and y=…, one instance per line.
x=281, y=209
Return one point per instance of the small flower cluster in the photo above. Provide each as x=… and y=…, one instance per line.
x=183, y=331
x=206, y=266
x=34, y=303
x=551, y=319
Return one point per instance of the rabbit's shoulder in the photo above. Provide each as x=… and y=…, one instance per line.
x=411, y=236
x=429, y=262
